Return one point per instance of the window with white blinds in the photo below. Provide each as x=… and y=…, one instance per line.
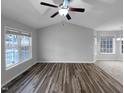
x=18, y=46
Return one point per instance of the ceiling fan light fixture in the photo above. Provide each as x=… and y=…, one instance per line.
x=63, y=12
x=63, y=9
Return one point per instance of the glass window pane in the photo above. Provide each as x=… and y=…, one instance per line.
x=110, y=45
x=122, y=46
x=108, y=50
x=25, y=47
x=11, y=53
x=25, y=41
x=25, y=53
x=110, y=42
x=111, y=50
x=101, y=50
x=106, y=44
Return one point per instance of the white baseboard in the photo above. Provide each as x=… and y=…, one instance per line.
x=18, y=74
x=42, y=61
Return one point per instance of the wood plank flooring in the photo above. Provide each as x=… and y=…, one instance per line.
x=65, y=78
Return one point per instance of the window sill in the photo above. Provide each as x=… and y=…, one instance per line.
x=14, y=65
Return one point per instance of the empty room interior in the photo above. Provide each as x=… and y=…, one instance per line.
x=62, y=46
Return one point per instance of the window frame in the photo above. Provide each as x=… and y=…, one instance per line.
x=113, y=45
x=121, y=48
x=19, y=40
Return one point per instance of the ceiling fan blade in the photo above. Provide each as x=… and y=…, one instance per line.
x=47, y=4
x=68, y=17
x=77, y=9
x=54, y=14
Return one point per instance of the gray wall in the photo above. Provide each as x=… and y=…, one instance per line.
x=65, y=43
x=56, y=43
x=7, y=75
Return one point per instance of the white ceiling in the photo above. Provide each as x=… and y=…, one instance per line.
x=99, y=14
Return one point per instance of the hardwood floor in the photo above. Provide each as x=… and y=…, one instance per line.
x=65, y=78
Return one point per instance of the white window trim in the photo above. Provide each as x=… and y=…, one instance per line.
x=20, y=62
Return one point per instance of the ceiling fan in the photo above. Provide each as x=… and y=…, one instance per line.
x=63, y=9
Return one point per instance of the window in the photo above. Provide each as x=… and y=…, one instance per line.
x=122, y=46
x=18, y=47
x=25, y=47
x=106, y=44
x=12, y=53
